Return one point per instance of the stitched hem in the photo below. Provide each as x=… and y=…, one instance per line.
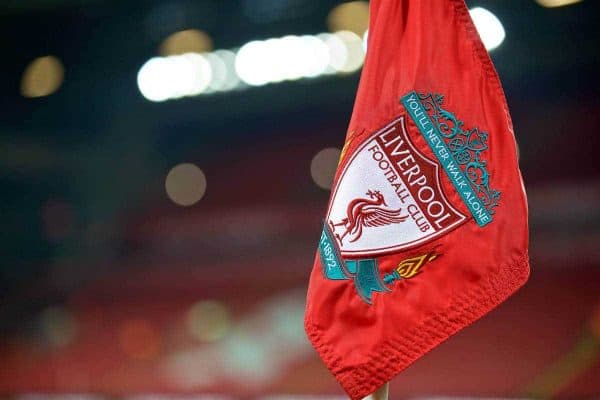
x=397, y=354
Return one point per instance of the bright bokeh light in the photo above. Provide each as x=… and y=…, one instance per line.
x=181, y=75
x=556, y=3
x=355, y=53
x=351, y=16
x=188, y=41
x=152, y=79
x=218, y=72
x=252, y=63
x=196, y=74
x=282, y=59
x=185, y=184
x=42, y=77
x=256, y=63
x=317, y=56
x=230, y=79
x=338, y=53
x=323, y=166
x=489, y=27
x=208, y=321
x=274, y=60
x=162, y=78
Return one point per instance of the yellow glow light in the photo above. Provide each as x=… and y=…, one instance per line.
x=42, y=77
x=188, y=41
x=351, y=16
x=556, y=3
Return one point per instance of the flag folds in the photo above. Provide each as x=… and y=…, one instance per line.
x=426, y=228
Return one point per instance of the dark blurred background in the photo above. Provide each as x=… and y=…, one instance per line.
x=160, y=211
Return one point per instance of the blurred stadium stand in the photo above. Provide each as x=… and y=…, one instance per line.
x=109, y=287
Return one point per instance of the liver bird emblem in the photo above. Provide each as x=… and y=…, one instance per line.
x=368, y=213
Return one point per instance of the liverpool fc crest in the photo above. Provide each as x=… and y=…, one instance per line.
x=389, y=197
x=361, y=213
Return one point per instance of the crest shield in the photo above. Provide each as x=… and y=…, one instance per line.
x=389, y=197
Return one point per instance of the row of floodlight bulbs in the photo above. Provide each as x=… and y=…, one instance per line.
x=256, y=63
x=262, y=62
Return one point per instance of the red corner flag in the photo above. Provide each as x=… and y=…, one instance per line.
x=426, y=229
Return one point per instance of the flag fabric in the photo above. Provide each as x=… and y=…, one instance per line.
x=426, y=228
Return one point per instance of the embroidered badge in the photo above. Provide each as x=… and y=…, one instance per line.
x=367, y=279
x=365, y=272
x=459, y=150
x=389, y=197
x=370, y=212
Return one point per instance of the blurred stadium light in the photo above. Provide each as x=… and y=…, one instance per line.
x=185, y=184
x=489, y=27
x=42, y=77
x=556, y=3
x=349, y=16
x=323, y=165
x=186, y=41
x=275, y=60
x=257, y=63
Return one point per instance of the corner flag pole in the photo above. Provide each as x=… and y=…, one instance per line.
x=379, y=394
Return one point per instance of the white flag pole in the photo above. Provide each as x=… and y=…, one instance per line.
x=379, y=394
